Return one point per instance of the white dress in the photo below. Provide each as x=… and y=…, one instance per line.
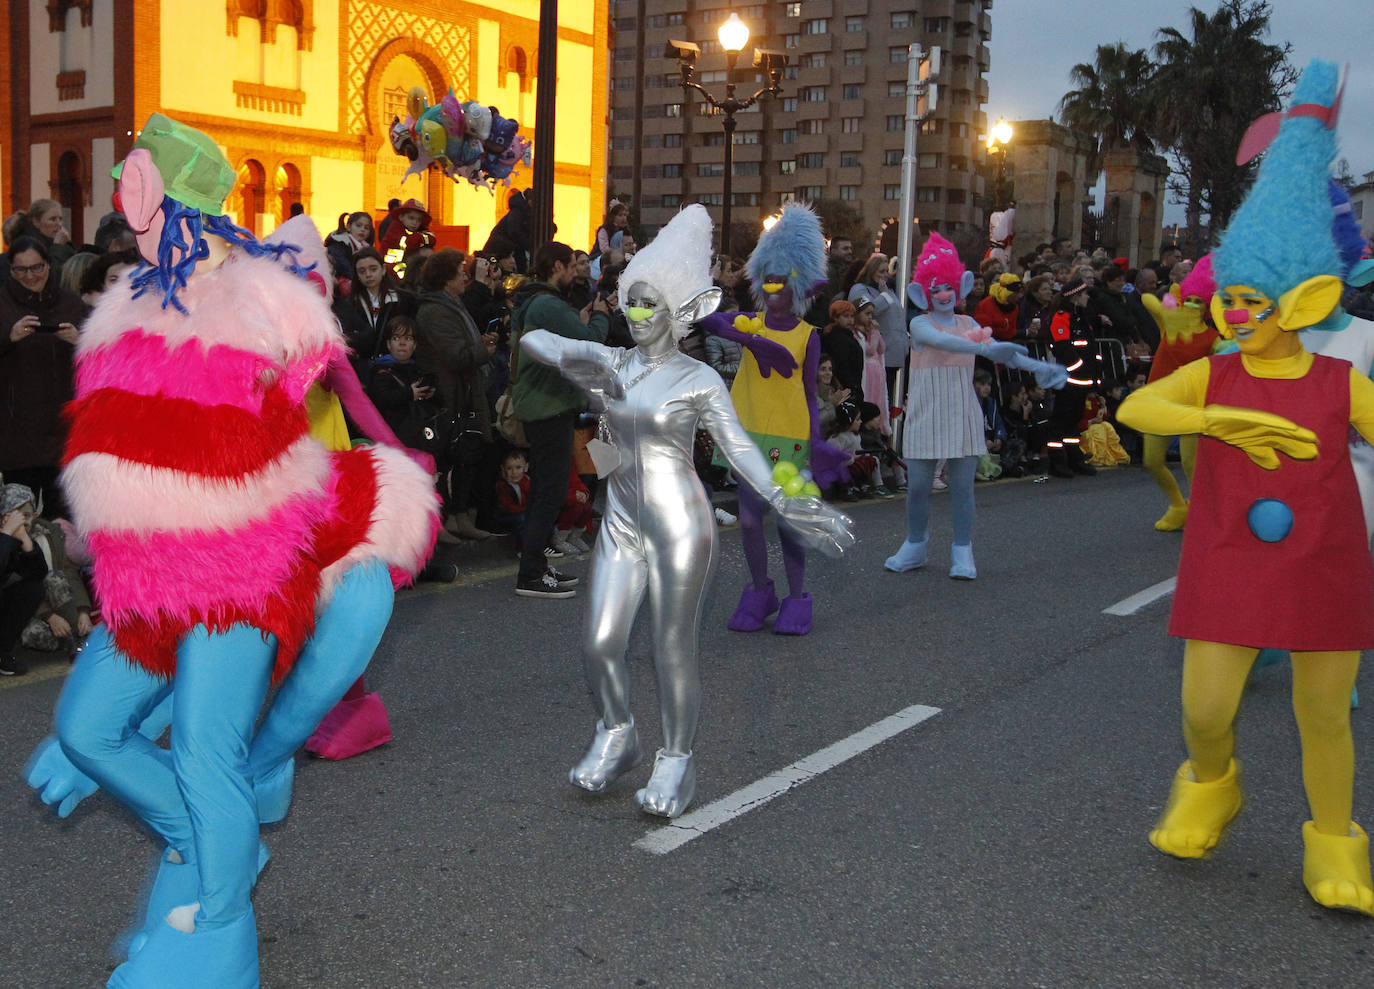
x=943, y=419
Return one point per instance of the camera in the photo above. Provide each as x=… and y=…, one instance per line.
x=770, y=60
x=683, y=50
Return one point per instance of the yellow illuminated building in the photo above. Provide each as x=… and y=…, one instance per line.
x=300, y=94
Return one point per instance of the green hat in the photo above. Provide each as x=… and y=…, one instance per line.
x=193, y=167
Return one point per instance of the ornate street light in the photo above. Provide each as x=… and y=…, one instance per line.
x=998, y=139
x=733, y=35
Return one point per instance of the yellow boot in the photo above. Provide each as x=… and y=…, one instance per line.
x=1173, y=519
x=1197, y=813
x=1335, y=869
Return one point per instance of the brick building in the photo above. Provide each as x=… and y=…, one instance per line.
x=835, y=132
x=298, y=93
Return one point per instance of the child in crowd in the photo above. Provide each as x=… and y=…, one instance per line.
x=863, y=468
x=572, y=533
x=994, y=429
x=405, y=234
x=872, y=442
x=875, y=371
x=1101, y=444
x=1006, y=450
x=403, y=395
x=513, y=494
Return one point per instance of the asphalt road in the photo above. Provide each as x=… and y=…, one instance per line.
x=1000, y=842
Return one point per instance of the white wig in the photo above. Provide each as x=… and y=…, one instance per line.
x=677, y=263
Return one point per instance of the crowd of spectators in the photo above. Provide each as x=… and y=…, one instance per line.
x=433, y=333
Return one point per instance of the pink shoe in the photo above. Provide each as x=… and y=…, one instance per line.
x=353, y=726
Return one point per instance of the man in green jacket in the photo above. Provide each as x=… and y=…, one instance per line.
x=548, y=404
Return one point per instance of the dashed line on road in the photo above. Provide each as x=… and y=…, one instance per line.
x=1141, y=599
x=696, y=823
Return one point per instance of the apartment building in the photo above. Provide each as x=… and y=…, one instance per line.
x=836, y=130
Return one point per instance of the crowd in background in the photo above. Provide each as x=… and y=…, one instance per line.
x=431, y=332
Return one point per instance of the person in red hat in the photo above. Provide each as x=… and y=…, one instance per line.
x=408, y=232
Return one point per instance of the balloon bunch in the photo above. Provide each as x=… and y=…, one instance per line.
x=794, y=481
x=464, y=140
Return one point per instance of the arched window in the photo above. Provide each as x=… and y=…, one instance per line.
x=288, y=183
x=296, y=14
x=71, y=193
x=518, y=62
x=252, y=183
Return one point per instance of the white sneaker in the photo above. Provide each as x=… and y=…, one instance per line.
x=725, y=518
x=939, y=485
x=561, y=543
x=577, y=539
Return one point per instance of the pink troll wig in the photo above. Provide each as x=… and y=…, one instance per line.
x=938, y=264
x=1200, y=281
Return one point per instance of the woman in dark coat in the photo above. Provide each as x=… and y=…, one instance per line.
x=38, y=332
x=450, y=347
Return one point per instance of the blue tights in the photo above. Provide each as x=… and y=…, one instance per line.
x=959, y=475
x=199, y=797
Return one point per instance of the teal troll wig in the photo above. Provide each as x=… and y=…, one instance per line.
x=794, y=247
x=1282, y=233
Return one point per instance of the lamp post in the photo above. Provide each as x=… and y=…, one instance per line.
x=998, y=139
x=733, y=36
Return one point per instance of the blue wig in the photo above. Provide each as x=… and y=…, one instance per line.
x=1282, y=233
x=795, y=247
x=177, y=258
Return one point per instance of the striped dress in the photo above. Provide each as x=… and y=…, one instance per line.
x=193, y=476
x=942, y=417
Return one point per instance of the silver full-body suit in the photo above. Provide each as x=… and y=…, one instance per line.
x=658, y=537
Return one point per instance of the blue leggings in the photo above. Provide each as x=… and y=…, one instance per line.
x=199, y=797
x=920, y=475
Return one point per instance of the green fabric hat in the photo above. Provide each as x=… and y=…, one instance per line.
x=193, y=168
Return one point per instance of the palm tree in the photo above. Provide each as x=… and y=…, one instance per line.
x=1111, y=102
x=1208, y=89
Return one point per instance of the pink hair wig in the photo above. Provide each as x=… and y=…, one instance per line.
x=938, y=264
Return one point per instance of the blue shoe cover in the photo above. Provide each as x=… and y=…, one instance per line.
x=224, y=957
x=175, y=884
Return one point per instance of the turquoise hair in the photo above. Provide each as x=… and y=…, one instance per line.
x=1282, y=233
x=794, y=247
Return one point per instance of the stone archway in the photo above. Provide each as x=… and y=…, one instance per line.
x=401, y=64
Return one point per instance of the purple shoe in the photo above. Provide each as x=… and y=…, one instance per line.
x=754, y=607
x=795, y=616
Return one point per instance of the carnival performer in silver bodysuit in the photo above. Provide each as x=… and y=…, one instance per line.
x=658, y=535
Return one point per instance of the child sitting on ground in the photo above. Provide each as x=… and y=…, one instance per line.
x=513, y=495
x=1101, y=444
x=862, y=467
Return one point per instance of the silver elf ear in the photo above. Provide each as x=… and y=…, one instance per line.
x=699, y=306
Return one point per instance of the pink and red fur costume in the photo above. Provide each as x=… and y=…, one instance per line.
x=193, y=476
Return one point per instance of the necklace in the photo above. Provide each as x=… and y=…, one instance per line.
x=651, y=364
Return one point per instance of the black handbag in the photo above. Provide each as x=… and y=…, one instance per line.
x=437, y=434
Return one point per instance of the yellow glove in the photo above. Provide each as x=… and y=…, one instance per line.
x=1177, y=325
x=1259, y=434
x=746, y=325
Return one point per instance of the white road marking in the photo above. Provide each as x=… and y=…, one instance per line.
x=1132, y=604
x=698, y=822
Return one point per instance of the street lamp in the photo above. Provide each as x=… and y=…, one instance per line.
x=998, y=139
x=733, y=35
